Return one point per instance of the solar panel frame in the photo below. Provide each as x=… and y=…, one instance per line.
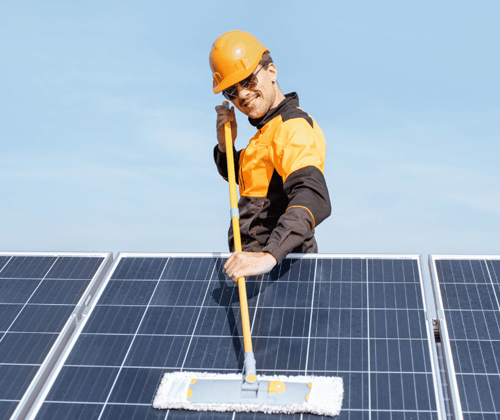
x=451, y=347
x=102, y=293
x=66, y=322
x=432, y=317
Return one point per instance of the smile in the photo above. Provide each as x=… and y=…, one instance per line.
x=248, y=102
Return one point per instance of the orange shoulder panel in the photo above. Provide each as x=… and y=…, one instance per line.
x=298, y=145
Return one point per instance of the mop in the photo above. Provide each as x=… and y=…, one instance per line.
x=248, y=392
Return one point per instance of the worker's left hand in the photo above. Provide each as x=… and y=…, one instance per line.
x=244, y=264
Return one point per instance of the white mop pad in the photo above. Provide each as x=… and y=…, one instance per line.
x=325, y=397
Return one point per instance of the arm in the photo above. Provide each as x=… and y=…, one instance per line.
x=309, y=205
x=299, y=156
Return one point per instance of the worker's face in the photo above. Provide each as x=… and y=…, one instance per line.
x=260, y=98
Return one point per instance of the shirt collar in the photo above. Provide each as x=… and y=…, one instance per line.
x=291, y=100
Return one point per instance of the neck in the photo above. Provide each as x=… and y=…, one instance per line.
x=279, y=97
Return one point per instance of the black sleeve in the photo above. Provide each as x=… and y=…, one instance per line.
x=221, y=162
x=309, y=205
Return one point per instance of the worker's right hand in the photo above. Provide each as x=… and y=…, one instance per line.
x=223, y=115
x=244, y=264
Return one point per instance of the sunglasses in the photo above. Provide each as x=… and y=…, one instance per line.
x=250, y=82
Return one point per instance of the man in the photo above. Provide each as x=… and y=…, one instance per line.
x=283, y=193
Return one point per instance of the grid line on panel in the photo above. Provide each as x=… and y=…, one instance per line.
x=411, y=349
x=368, y=338
x=129, y=347
x=493, y=287
x=475, y=328
x=311, y=316
x=257, y=307
x=470, y=303
x=343, y=270
x=386, y=304
x=422, y=328
x=479, y=340
x=230, y=369
x=397, y=334
x=198, y=318
x=328, y=318
x=6, y=263
x=496, y=276
x=388, y=339
x=337, y=308
x=26, y=303
x=472, y=310
x=338, y=319
x=40, y=304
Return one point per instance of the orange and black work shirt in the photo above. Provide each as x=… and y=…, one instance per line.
x=283, y=193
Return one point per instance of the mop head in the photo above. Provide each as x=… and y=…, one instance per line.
x=222, y=392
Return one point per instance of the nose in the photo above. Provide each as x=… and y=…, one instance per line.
x=242, y=91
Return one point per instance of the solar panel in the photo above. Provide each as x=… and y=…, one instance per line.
x=359, y=317
x=468, y=290
x=38, y=295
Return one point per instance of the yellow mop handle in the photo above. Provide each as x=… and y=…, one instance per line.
x=245, y=319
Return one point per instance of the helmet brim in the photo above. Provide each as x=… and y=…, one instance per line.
x=236, y=77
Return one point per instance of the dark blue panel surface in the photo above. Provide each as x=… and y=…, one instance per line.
x=202, y=269
x=42, y=318
x=179, y=293
x=63, y=292
x=117, y=319
x=169, y=321
x=136, y=385
x=17, y=291
x=20, y=267
x=8, y=313
x=474, y=325
x=85, y=384
x=15, y=380
x=140, y=269
x=38, y=293
x=7, y=408
x=98, y=349
x=158, y=351
x=470, y=300
x=82, y=268
x=494, y=271
x=70, y=411
x=21, y=348
x=3, y=262
x=358, y=318
x=127, y=292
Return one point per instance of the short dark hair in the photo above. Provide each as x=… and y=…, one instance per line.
x=265, y=60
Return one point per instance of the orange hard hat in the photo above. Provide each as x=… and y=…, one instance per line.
x=234, y=57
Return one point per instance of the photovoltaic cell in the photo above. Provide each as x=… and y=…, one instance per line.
x=355, y=317
x=469, y=289
x=38, y=292
x=3, y=260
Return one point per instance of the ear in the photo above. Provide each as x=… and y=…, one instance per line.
x=273, y=71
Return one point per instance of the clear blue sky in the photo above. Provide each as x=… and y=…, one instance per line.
x=107, y=122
